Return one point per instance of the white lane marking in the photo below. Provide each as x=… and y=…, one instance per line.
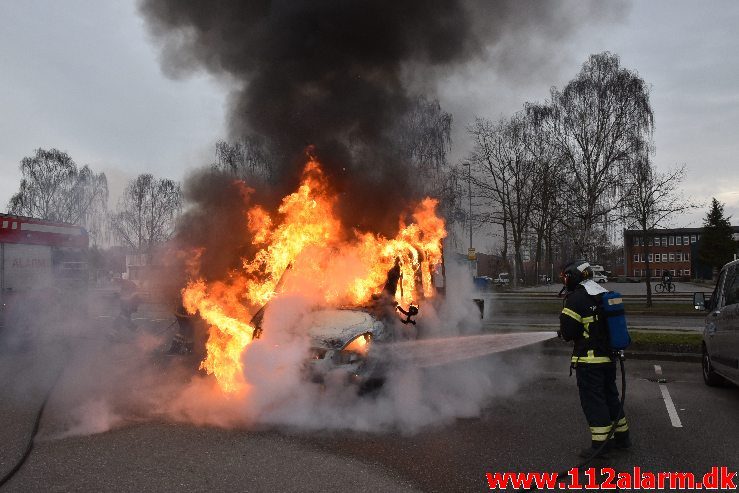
x=658, y=369
x=671, y=411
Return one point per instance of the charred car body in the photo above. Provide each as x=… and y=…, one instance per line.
x=345, y=342
x=342, y=347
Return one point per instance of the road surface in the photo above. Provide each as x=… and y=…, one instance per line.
x=537, y=426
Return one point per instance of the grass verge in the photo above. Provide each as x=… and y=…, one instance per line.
x=669, y=342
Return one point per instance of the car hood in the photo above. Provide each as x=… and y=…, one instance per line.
x=333, y=328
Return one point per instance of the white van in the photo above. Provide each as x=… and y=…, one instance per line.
x=599, y=274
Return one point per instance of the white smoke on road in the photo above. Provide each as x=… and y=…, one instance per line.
x=111, y=379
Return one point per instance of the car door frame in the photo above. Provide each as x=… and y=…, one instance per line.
x=729, y=337
x=714, y=324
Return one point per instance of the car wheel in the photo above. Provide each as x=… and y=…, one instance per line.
x=601, y=281
x=370, y=386
x=711, y=378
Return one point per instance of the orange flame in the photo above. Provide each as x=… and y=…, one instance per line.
x=331, y=270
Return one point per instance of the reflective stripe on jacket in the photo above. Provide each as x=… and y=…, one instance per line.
x=579, y=322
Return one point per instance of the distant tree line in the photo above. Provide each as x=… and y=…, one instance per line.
x=558, y=175
x=54, y=188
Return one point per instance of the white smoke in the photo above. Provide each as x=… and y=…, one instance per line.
x=111, y=381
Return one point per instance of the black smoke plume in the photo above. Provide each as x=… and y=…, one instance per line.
x=335, y=74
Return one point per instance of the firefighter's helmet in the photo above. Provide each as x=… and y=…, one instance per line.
x=575, y=272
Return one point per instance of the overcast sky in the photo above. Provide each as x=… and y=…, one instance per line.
x=83, y=76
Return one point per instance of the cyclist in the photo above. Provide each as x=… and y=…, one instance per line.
x=666, y=279
x=666, y=284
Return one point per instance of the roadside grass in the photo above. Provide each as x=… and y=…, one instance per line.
x=675, y=342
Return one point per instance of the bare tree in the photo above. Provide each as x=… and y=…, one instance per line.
x=53, y=188
x=505, y=173
x=489, y=205
x=603, y=119
x=653, y=198
x=147, y=212
x=548, y=210
x=248, y=159
x=423, y=139
x=425, y=136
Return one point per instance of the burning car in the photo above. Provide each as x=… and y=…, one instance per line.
x=337, y=270
x=341, y=340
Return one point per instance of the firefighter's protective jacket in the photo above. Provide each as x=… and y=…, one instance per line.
x=580, y=322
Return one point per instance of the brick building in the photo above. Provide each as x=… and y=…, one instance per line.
x=673, y=250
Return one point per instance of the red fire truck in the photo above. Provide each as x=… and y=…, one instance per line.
x=39, y=259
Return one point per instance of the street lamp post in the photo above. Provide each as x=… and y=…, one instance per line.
x=471, y=252
x=469, y=192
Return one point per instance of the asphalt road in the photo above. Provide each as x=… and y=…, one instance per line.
x=537, y=427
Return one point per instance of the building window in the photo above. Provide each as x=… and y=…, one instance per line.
x=686, y=256
x=656, y=272
x=664, y=257
x=636, y=273
x=672, y=257
x=686, y=272
x=664, y=241
x=650, y=257
x=672, y=272
x=672, y=240
x=636, y=257
x=679, y=256
x=692, y=238
x=678, y=240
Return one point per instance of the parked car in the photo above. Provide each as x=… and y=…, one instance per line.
x=503, y=279
x=721, y=332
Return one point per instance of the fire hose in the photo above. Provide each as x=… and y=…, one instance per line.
x=596, y=452
x=34, y=432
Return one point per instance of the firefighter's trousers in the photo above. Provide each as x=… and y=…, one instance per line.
x=596, y=383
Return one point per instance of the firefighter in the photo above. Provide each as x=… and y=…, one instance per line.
x=592, y=359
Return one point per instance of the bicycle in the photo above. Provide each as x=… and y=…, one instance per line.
x=664, y=287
